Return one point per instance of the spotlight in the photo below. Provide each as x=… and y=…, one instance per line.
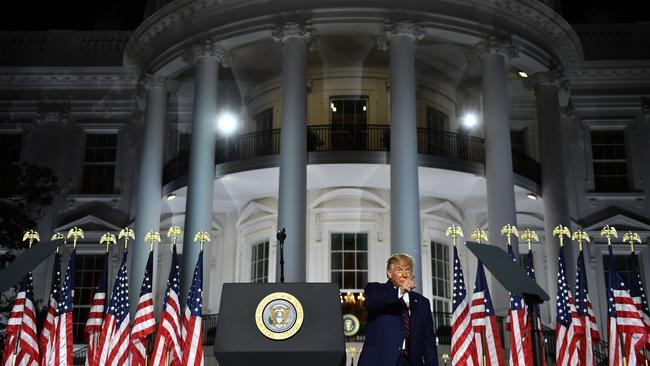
x=522, y=74
x=227, y=123
x=470, y=120
x=171, y=196
x=531, y=196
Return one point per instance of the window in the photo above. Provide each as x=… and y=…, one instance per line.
x=264, y=129
x=622, y=266
x=518, y=140
x=184, y=143
x=349, y=111
x=260, y=262
x=264, y=120
x=88, y=272
x=349, y=255
x=437, y=142
x=99, y=163
x=10, y=148
x=610, y=161
x=436, y=120
x=349, y=116
x=440, y=281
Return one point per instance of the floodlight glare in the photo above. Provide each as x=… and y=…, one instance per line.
x=469, y=120
x=227, y=123
x=523, y=74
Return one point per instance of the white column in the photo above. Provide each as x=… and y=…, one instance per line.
x=498, y=153
x=404, y=190
x=546, y=86
x=148, y=198
x=292, y=205
x=499, y=178
x=200, y=181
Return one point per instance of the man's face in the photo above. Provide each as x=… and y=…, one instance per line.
x=398, y=272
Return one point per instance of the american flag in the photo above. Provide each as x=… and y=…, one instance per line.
x=484, y=322
x=28, y=352
x=144, y=323
x=13, y=325
x=63, y=341
x=114, y=338
x=530, y=271
x=624, y=319
x=463, y=347
x=96, y=316
x=520, y=346
x=192, y=329
x=49, y=326
x=584, y=325
x=566, y=352
x=168, y=338
x=638, y=296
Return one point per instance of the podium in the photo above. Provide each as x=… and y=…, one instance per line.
x=289, y=324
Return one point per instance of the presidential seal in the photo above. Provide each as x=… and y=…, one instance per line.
x=279, y=316
x=351, y=325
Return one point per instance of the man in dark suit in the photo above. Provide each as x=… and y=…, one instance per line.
x=400, y=326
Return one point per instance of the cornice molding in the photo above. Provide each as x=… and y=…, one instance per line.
x=158, y=40
x=64, y=79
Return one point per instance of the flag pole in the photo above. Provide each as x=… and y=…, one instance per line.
x=632, y=238
x=609, y=232
x=30, y=236
x=152, y=237
x=478, y=235
x=106, y=239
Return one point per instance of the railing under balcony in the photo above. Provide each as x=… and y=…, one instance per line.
x=322, y=138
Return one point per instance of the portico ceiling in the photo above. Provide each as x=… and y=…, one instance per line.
x=467, y=191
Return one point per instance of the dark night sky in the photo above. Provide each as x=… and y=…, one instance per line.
x=128, y=14
x=71, y=14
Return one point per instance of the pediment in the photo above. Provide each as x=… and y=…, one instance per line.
x=256, y=211
x=445, y=210
x=621, y=222
x=349, y=199
x=89, y=223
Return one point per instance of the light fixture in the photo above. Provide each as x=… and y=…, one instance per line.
x=227, y=123
x=171, y=196
x=522, y=74
x=365, y=108
x=470, y=120
x=531, y=196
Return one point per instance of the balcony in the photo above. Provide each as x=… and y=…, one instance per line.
x=447, y=149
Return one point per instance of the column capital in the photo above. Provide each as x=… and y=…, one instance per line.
x=552, y=77
x=150, y=81
x=402, y=28
x=207, y=49
x=281, y=33
x=570, y=113
x=492, y=46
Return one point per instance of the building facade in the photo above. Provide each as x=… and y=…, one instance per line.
x=350, y=136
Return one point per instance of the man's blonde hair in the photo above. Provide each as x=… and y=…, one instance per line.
x=399, y=257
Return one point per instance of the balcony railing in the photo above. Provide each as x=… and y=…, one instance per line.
x=321, y=138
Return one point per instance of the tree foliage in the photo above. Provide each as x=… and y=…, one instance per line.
x=25, y=191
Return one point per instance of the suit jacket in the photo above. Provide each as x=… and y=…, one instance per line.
x=384, y=332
